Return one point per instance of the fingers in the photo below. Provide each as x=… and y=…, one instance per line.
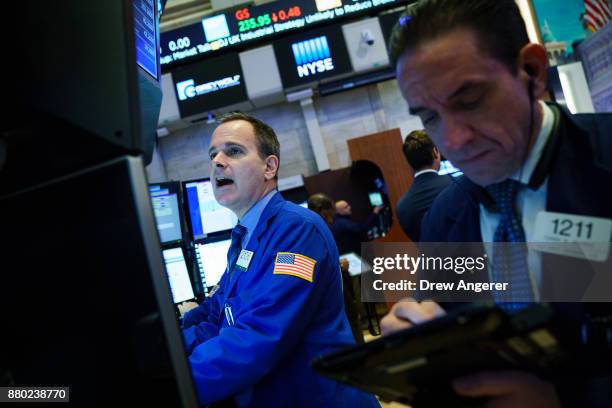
x=417, y=312
x=406, y=313
x=391, y=324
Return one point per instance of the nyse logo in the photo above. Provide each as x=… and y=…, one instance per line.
x=312, y=56
x=187, y=89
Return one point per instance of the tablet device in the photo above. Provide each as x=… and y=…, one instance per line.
x=416, y=366
x=357, y=265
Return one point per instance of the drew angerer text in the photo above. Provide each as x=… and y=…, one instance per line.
x=439, y=286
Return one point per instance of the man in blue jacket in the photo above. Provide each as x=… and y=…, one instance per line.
x=468, y=70
x=279, y=304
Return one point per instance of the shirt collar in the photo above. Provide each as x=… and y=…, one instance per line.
x=251, y=218
x=524, y=173
x=418, y=173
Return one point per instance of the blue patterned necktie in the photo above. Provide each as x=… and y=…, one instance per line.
x=510, y=260
x=235, y=247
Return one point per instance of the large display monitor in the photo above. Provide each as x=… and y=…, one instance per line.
x=122, y=339
x=166, y=200
x=312, y=56
x=178, y=275
x=209, y=84
x=212, y=261
x=206, y=215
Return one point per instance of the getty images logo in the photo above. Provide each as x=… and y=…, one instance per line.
x=312, y=56
x=187, y=89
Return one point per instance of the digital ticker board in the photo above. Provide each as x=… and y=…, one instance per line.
x=237, y=27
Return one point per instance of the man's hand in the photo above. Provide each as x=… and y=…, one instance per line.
x=508, y=389
x=407, y=313
x=344, y=264
x=186, y=306
x=378, y=209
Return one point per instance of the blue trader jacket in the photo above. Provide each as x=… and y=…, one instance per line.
x=255, y=338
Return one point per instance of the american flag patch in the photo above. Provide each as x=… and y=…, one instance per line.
x=288, y=263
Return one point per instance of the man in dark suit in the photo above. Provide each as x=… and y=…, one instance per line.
x=348, y=233
x=424, y=160
x=468, y=70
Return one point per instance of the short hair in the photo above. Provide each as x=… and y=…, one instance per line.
x=267, y=142
x=497, y=24
x=419, y=150
x=320, y=202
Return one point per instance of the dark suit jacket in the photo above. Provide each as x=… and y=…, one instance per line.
x=578, y=163
x=414, y=204
x=349, y=234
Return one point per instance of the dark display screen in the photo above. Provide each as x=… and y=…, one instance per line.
x=315, y=55
x=210, y=84
x=247, y=24
x=145, y=32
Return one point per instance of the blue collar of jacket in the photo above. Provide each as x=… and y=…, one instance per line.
x=251, y=218
x=272, y=208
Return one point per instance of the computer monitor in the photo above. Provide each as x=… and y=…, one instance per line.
x=178, y=275
x=166, y=200
x=446, y=167
x=122, y=338
x=375, y=198
x=212, y=260
x=206, y=215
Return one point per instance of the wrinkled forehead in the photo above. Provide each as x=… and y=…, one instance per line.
x=449, y=55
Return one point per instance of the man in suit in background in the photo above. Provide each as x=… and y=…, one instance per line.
x=424, y=160
x=348, y=233
x=468, y=70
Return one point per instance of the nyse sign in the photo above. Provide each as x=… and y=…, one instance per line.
x=315, y=67
x=312, y=56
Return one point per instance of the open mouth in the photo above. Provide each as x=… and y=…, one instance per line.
x=223, y=181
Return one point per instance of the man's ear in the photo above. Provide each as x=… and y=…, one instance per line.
x=533, y=67
x=436, y=154
x=272, y=163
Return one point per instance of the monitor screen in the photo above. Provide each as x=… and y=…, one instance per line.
x=207, y=216
x=165, y=200
x=375, y=198
x=209, y=84
x=212, y=261
x=178, y=275
x=446, y=167
x=145, y=32
x=312, y=56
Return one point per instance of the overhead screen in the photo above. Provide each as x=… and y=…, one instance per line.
x=178, y=275
x=210, y=84
x=206, y=215
x=212, y=261
x=166, y=206
x=238, y=27
x=312, y=56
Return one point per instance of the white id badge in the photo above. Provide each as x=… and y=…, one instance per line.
x=590, y=234
x=244, y=259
